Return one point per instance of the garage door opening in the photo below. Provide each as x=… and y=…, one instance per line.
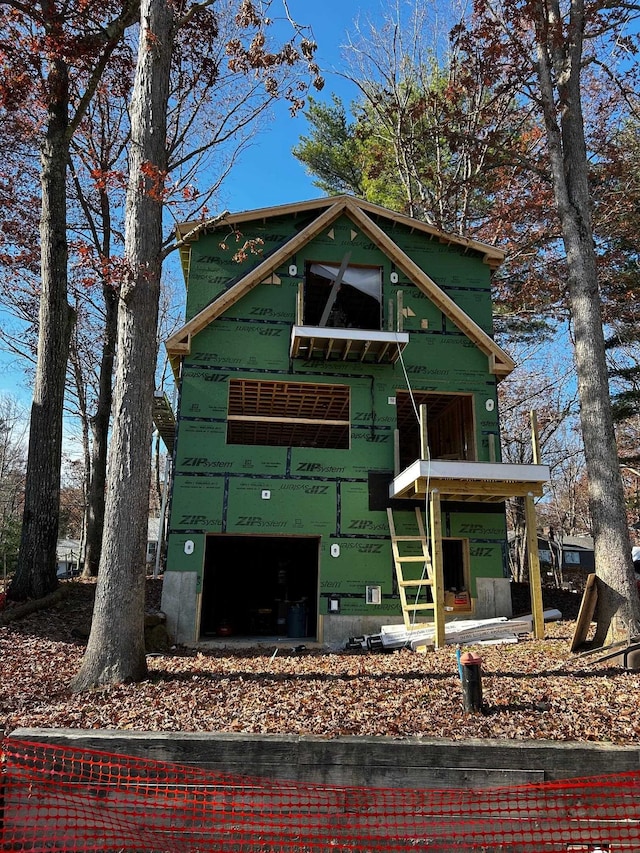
x=260, y=586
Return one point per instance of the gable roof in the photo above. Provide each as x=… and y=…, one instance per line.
x=361, y=213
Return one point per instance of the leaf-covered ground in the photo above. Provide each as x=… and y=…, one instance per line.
x=535, y=689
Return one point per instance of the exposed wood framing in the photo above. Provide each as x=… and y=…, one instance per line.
x=164, y=420
x=491, y=255
x=229, y=297
x=535, y=437
x=280, y=413
x=424, y=432
x=459, y=480
x=437, y=567
x=331, y=344
x=310, y=400
x=180, y=343
x=535, y=583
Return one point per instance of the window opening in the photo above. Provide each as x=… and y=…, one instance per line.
x=572, y=557
x=288, y=414
x=343, y=296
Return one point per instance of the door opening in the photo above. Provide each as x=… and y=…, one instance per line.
x=455, y=564
x=450, y=426
x=260, y=586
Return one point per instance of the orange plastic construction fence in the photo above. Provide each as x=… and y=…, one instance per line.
x=68, y=799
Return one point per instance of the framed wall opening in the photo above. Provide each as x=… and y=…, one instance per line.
x=342, y=296
x=288, y=414
x=260, y=586
x=450, y=426
x=455, y=564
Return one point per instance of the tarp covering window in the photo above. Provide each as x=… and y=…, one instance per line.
x=351, y=300
x=365, y=280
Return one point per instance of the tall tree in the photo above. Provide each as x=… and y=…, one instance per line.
x=214, y=111
x=547, y=49
x=117, y=655
x=332, y=152
x=434, y=135
x=98, y=150
x=115, y=650
x=55, y=56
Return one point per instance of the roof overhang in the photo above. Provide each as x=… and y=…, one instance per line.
x=187, y=232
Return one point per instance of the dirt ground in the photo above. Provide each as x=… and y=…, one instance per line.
x=531, y=689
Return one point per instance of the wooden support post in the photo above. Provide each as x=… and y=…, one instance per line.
x=535, y=437
x=300, y=305
x=492, y=447
x=424, y=435
x=399, y=314
x=437, y=590
x=535, y=584
x=396, y=452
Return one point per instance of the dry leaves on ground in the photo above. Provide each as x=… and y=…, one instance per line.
x=534, y=689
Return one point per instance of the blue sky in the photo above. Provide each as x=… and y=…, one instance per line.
x=268, y=173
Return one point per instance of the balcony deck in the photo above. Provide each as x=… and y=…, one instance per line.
x=485, y=482
x=335, y=344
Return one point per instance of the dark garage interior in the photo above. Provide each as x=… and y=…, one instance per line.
x=260, y=586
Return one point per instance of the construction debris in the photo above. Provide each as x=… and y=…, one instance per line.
x=457, y=632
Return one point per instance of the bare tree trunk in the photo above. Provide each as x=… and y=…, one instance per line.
x=559, y=67
x=76, y=362
x=115, y=651
x=518, y=560
x=36, y=569
x=100, y=433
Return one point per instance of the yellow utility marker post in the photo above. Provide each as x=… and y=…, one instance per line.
x=535, y=582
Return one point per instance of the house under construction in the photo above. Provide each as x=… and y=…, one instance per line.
x=337, y=456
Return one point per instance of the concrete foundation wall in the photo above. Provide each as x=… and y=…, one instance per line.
x=494, y=598
x=337, y=629
x=180, y=603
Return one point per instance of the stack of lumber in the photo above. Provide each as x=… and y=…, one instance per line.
x=458, y=631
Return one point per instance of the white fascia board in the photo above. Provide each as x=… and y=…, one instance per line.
x=445, y=469
x=334, y=334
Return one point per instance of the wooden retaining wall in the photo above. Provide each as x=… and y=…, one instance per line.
x=362, y=761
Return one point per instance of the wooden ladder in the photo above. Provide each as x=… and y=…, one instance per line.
x=420, y=587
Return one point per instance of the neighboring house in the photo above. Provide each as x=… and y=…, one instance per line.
x=347, y=369
x=68, y=550
x=570, y=552
x=68, y=558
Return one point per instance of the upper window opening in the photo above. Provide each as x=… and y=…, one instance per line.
x=288, y=414
x=343, y=296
